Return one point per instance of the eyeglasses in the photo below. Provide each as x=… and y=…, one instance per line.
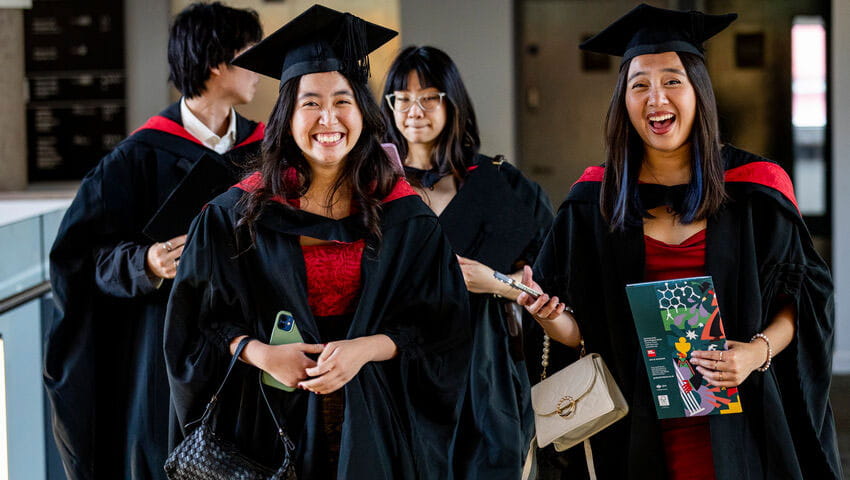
x=402, y=102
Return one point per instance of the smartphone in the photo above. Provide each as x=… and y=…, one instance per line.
x=517, y=285
x=284, y=331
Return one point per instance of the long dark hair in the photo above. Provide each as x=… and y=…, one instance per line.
x=366, y=171
x=619, y=199
x=459, y=142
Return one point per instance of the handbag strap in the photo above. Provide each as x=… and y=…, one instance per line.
x=588, y=456
x=214, y=400
x=208, y=410
x=530, y=470
x=284, y=438
x=544, y=359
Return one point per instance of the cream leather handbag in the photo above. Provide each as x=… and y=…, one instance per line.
x=572, y=405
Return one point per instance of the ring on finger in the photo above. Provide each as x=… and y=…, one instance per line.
x=164, y=247
x=721, y=355
x=715, y=365
x=720, y=376
x=168, y=246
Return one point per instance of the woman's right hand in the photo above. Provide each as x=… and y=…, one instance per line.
x=542, y=308
x=162, y=258
x=549, y=313
x=288, y=364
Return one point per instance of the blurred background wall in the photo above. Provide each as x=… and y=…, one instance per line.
x=781, y=74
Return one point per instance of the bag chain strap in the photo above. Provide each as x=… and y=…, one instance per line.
x=544, y=359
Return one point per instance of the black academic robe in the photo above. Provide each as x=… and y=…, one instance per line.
x=498, y=218
x=104, y=371
x=400, y=414
x=759, y=253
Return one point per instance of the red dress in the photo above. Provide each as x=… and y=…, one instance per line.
x=333, y=278
x=687, y=441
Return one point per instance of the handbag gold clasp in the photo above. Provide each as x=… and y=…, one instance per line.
x=566, y=406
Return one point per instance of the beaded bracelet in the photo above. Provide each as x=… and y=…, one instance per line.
x=766, y=364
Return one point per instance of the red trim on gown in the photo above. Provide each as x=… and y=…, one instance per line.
x=167, y=125
x=687, y=441
x=254, y=181
x=764, y=173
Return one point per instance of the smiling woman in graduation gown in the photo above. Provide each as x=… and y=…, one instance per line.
x=496, y=220
x=757, y=250
x=398, y=413
x=667, y=175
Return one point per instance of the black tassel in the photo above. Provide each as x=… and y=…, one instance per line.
x=697, y=21
x=355, y=50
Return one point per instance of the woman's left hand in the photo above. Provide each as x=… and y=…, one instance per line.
x=729, y=368
x=340, y=361
x=477, y=276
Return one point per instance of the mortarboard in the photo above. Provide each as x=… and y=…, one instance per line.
x=475, y=232
x=646, y=29
x=319, y=40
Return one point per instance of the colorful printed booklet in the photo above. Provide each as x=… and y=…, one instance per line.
x=674, y=318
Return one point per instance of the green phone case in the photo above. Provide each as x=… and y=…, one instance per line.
x=284, y=331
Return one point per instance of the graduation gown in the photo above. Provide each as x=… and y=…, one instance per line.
x=399, y=414
x=759, y=253
x=498, y=218
x=104, y=371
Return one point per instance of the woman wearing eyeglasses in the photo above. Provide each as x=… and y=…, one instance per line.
x=496, y=220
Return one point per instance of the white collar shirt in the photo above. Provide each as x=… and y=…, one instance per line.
x=197, y=129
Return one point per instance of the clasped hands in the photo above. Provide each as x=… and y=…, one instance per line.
x=337, y=364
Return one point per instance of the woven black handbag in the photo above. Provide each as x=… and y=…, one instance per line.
x=202, y=455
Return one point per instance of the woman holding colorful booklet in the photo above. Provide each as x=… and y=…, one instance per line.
x=673, y=202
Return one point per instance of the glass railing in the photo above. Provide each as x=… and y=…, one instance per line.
x=27, y=229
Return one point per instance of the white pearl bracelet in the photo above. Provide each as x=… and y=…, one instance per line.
x=766, y=363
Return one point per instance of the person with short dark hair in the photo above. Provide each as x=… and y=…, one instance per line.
x=673, y=202
x=205, y=36
x=119, y=246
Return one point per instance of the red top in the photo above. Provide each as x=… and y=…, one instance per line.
x=665, y=261
x=333, y=277
x=333, y=274
x=687, y=441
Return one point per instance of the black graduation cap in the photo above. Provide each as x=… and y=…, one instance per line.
x=646, y=29
x=207, y=178
x=319, y=40
x=475, y=232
